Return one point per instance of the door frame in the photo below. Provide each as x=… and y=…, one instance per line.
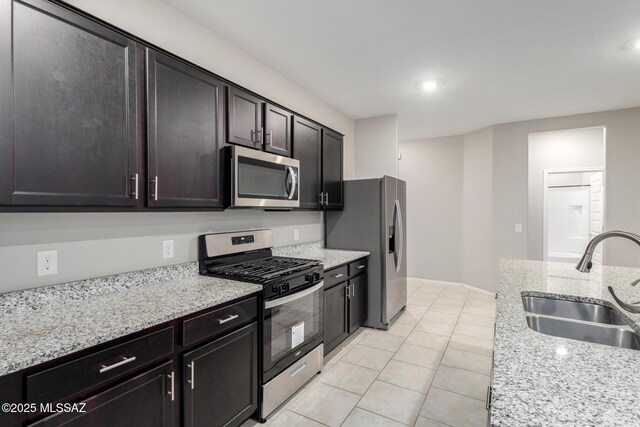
x=545, y=201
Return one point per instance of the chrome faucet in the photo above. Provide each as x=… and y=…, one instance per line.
x=585, y=263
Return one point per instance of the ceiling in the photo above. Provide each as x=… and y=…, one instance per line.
x=499, y=60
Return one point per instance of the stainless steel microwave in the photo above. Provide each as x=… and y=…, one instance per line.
x=263, y=180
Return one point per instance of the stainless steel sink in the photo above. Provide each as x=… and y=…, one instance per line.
x=618, y=336
x=576, y=310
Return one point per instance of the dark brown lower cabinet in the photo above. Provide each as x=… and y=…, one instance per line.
x=143, y=401
x=336, y=327
x=221, y=380
x=357, y=302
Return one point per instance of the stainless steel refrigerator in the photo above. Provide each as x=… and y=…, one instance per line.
x=374, y=219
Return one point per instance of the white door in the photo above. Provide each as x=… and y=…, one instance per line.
x=596, y=206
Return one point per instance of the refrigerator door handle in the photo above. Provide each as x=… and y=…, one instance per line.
x=399, y=235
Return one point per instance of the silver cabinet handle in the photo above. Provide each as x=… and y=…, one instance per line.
x=321, y=197
x=258, y=132
x=269, y=138
x=347, y=292
x=487, y=404
x=337, y=276
x=360, y=267
x=253, y=139
x=228, y=319
x=134, y=178
x=172, y=392
x=124, y=361
x=155, y=188
x=326, y=198
x=192, y=367
x=353, y=290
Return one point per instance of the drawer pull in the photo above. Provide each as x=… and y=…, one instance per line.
x=338, y=275
x=487, y=404
x=360, y=267
x=297, y=370
x=124, y=361
x=228, y=319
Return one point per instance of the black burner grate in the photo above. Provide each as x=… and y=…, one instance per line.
x=261, y=270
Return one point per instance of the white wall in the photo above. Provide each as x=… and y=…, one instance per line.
x=575, y=148
x=94, y=244
x=376, y=147
x=477, y=217
x=433, y=170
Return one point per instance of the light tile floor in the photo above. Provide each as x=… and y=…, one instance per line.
x=431, y=368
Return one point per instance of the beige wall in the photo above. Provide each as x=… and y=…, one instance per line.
x=376, y=147
x=622, y=184
x=477, y=217
x=95, y=244
x=433, y=170
x=574, y=148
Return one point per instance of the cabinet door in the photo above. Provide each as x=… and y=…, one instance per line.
x=72, y=95
x=332, y=170
x=244, y=113
x=185, y=107
x=307, y=147
x=221, y=380
x=357, y=302
x=277, y=125
x=335, y=316
x=142, y=401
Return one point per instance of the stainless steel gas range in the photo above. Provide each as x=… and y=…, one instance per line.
x=292, y=349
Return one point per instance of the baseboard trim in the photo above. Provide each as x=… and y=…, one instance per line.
x=444, y=282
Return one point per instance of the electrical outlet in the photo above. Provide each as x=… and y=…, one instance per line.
x=296, y=234
x=518, y=228
x=47, y=263
x=167, y=249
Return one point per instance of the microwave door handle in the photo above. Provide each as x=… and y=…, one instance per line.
x=294, y=182
x=296, y=296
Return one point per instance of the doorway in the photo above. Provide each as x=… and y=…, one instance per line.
x=573, y=213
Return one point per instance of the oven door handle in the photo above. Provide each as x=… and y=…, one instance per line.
x=296, y=296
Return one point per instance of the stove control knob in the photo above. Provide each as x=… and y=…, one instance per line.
x=276, y=289
x=316, y=275
x=309, y=277
x=284, y=287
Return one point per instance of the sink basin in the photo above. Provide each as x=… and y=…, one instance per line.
x=576, y=310
x=618, y=336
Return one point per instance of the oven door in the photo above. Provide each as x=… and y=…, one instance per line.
x=263, y=180
x=292, y=328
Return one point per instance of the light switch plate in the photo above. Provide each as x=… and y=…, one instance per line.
x=47, y=263
x=167, y=249
x=296, y=234
x=518, y=228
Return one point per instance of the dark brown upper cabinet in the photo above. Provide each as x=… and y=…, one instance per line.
x=307, y=148
x=68, y=110
x=244, y=117
x=277, y=127
x=185, y=134
x=332, y=170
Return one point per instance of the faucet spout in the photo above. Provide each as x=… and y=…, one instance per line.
x=586, y=263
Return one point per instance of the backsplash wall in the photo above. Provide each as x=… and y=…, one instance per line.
x=100, y=244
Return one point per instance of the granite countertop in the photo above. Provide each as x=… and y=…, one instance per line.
x=541, y=380
x=329, y=257
x=43, y=324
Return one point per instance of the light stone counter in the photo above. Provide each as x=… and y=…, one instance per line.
x=541, y=380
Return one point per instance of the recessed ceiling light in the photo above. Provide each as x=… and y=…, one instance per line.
x=430, y=85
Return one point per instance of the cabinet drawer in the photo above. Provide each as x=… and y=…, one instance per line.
x=217, y=321
x=357, y=267
x=62, y=381
x=336, y=275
